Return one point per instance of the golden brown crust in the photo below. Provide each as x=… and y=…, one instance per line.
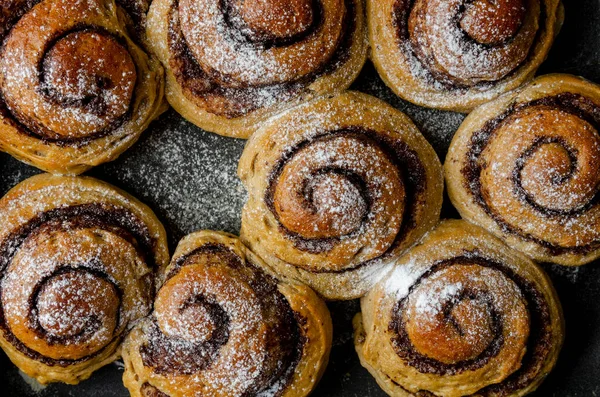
x=460, y=314
x=526, y=167
x=227, y=74
x=223, y=327
x=81, y=91
x=338, y=188
x=77, y=259
x=427, y=58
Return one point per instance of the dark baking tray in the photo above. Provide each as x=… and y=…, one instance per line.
x=189, y=178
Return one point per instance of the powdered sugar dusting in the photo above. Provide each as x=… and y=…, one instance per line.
x=431, y=303
x=187, y=176
x=401, y=278
x=68, y=73
x=36, y=387
x=437, y=126
x=333, y=202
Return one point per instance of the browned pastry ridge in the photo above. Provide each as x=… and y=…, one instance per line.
x=222, y=326
x=527, y=168
x=458, y=54
x=231, y=64
x=461, y=314
x=75, y=90
x=338, y=189
x=77, y=258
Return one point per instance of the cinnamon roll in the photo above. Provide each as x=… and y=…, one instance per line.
x=223, y=327
x=338, y=188
x=77, y=258
x=75, y=90
x=461, y=314
x=527, y=168
x=458, y=54
x=232, y=64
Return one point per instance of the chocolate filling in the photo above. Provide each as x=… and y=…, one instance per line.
x=136, y=10
x=170, y=355
x=203, y=87
x=148, y=390
x=119, y=221
x=575, y=104
x=166, y=355
x=11, y=11
x=405, y=159
x=116, y=220
x=400, y=15
x=223, y=254
x=539, y=342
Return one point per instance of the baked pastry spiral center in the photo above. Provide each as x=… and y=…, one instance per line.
x=463, y=335
x=199, y=319
x=493, y=22
x=463, y=43
x=275, y=19
x=334, y=186
x=74, y=302
x=332, y=204
x=552, y=177
x=549, y=164
x=462, y=315
x=454, y=322
x=92, y=71
x=554, y=163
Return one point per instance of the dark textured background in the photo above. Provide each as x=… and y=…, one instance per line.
x=188, y=177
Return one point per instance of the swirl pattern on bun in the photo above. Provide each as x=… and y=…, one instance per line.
x=232, y=64
x=458, y=54
x=77, y=263
x=527, y=168
x=461, y=314
x=223, y=327
x=338, y=188
x=79, y=92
